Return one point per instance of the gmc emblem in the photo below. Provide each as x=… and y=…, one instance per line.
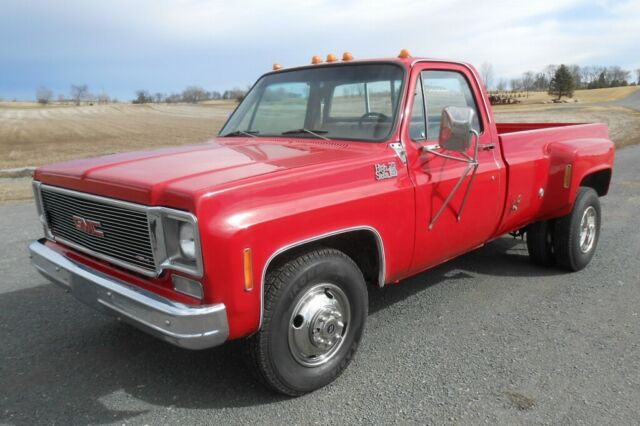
x=87, y=226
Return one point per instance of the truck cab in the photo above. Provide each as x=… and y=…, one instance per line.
x=327, y=181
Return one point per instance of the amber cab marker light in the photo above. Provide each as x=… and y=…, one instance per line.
x=316, y=60
x=404, y=53
x=347, y=56
x=248, y=270
x=331, y=57
x=277, y=67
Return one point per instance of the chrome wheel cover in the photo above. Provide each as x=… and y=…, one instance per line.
x=588, y=229
x=319, y=324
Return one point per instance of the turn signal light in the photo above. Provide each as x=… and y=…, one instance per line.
x=248, y=269
x=277, y=67
x=331, y=57
x=347, y=56
x=316, y=60
x=404, y=53
x=186, y=286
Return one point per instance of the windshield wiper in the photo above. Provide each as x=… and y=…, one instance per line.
x=251, y=133
x=315, y=133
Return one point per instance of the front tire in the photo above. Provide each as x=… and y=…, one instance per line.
x=576, y=235
x=315, y=309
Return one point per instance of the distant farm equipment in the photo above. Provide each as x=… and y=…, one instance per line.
x=505, y=97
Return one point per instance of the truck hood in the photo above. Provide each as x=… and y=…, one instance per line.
x=177, y=176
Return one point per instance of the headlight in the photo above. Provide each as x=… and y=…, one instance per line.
x=175, y=240
x=187, y=241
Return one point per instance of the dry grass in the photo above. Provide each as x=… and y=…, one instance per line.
x=32, y=135
x=581, y=96
x=35, y=136
x=624, y=123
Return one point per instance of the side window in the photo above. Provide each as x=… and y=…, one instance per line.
x=417, y=128
x=443, y=89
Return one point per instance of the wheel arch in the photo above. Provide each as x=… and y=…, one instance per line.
x=350, y=241
x=598, y=180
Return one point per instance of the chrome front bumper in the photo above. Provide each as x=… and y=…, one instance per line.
x=190, y=327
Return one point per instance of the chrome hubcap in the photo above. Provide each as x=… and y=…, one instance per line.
x=588, y=229
x=319, y=324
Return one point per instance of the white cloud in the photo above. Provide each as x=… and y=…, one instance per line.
x=513, y=35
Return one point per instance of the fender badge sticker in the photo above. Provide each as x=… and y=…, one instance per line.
x=386, y=171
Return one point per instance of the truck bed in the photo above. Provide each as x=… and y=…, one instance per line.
x=536, y=155
x=525, y=127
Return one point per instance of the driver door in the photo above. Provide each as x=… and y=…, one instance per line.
x=456, y=229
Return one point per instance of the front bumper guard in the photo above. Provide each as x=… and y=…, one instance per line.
x=189, y=327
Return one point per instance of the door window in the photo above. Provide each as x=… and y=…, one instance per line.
x=442, y=89
x=417, y=127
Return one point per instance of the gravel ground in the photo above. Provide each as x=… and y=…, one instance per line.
x=487, y=338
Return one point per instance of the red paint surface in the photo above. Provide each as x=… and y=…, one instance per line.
x=267, y=193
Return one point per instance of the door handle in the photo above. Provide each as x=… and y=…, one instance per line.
x=487, y=146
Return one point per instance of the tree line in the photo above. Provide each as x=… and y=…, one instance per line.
x=80, y=93
x=191, y=94
x=583, y=77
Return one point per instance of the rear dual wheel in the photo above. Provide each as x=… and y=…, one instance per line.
x=569, y=241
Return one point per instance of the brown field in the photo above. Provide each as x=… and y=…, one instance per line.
x=32, y=135
x=624, y=123
x=582, y=96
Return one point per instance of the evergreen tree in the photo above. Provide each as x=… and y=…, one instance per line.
x=562, y=83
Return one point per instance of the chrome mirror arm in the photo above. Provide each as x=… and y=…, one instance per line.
x=472, y=164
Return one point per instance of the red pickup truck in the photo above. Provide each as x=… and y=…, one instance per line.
x=326, y=181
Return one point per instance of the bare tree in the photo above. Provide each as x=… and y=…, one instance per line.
x=486, y=73
x=173, y=98
x=44, y=95
x=158, y=97
x=638, y=74
x=79, y=93
x=143, y=97
x=194, y=94
x=502, y=84
x=516, y=84
x=103, y=98
x=589, y=74
x=550, y=72
x=528, y=80
x=576, y=74
x=617, y=76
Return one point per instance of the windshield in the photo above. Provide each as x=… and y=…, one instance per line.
x=357, y=102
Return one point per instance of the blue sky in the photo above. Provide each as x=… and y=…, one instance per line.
x=119, y=46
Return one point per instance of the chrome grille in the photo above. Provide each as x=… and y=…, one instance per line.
x=125, y=240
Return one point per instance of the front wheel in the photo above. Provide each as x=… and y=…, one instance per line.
x=315, y=309
x=576, y=235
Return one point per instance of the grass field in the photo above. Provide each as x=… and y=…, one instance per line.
x=32, y=135
x=581, y=96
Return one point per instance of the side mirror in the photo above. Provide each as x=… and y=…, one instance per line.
x=455, y=128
